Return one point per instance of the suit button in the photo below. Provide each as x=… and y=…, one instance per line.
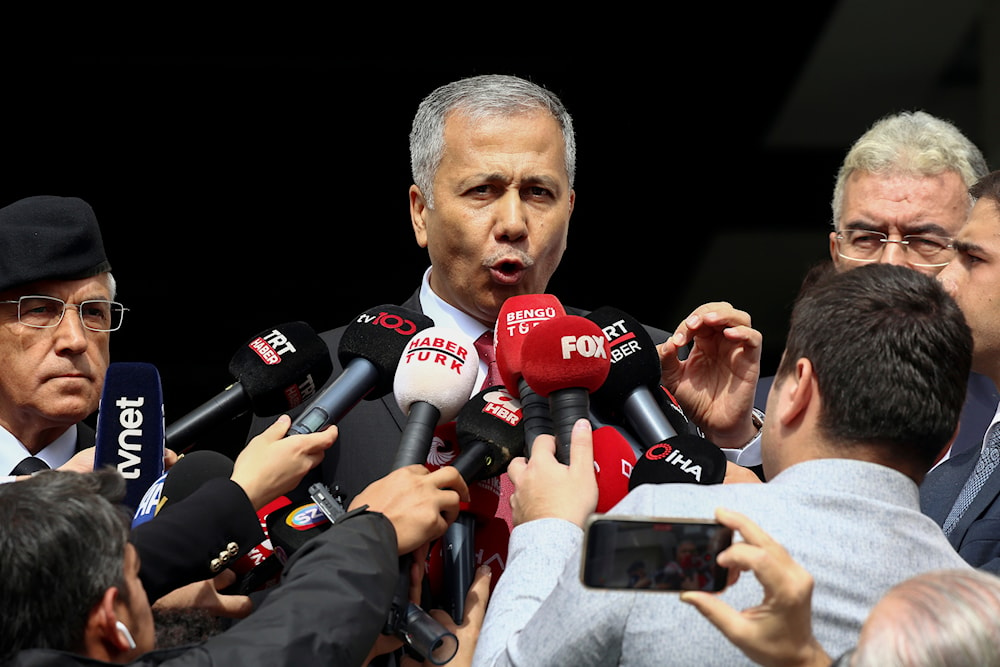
x=215, y=565
x=233, y=548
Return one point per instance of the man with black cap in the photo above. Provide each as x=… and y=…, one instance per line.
x=52, y=260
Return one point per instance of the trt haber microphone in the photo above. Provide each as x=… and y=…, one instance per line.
x=435, y=375
x=682, y=459
x=130, y=433
x=627, y=395
x=369, y=351
x=275, y=371
x=519, y=315
x=565, y=358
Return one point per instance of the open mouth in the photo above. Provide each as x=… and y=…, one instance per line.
x=508, y=272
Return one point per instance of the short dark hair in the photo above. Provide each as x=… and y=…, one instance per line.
x=62, y=544
x=987, y=187
x=891, y=353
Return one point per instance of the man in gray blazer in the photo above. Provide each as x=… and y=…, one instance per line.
x=868, y=391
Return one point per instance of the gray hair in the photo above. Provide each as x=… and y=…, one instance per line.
x=910, y=143
x=479, y=97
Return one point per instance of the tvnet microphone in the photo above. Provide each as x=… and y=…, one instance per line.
x=369, y=351
x=627, y=395
x=565, y=359
x=519, y=315
x=684, y=458
x=130, y=427
x=435, y=375
x=275, y=371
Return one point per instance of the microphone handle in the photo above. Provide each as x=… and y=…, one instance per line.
x=473, y=460
x=645, y=418
x=567, y=405
x=231, y=402
x=359, y=377
x=415, y=441
x=459, y=563
x=535, y=415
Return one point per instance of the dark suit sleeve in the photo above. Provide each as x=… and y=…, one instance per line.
x=196, y=538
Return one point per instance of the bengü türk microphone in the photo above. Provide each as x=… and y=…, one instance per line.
x=684, y=458
x=275, y=371
x=130, y=433
x=627, y=394
x=435, y=375
x=565, y=359
x=369, y=351
x=519, y=315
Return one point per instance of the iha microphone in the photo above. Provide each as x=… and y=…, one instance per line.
x=275, y=371
x=682, y=459
x=565, y=359
x=130, y=434
x=627, y=395
x=519, y=315
x=369, y=351
x=435, y=375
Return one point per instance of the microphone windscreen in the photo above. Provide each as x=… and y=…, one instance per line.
x=489, y=432
x=565, y=352
x=281, y=367
x=130, y=430
x=379, y=335
x=437, y=366
x=519, y=315
x=291, y=526
x=682, y=459
x=634, y=360
x=614, y=460
x=191, y=471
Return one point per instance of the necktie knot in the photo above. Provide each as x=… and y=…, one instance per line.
x=28, y=465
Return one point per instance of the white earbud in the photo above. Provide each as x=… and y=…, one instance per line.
x=125, y=633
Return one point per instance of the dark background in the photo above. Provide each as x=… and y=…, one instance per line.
x=238, y=193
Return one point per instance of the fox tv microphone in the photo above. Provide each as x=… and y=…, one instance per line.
x=369, y=351
x=275, y=371
x=682, y=459
x=565, y=359
x=519, y=315
x=130, y=433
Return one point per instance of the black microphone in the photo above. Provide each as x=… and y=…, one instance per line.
x=130, y=427
x=275, y=371
x=682, y=459
x=369, y=351
x=190, y=472
x=629, y=394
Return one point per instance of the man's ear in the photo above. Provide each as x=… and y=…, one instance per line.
x=797, y=392
x=105, y=628
x=418, y=209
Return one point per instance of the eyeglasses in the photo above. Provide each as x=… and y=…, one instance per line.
x=44, y=312
x=864, y=245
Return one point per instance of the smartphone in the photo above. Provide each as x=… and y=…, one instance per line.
x=653, y=554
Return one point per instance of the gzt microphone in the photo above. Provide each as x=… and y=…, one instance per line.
x=682, y=459
x=369, y=351
x=519, y=315
x=565, y=359
x=614, y=461
x=627, y=395
x=435, y=375
x=275, y=371
x=130, y=427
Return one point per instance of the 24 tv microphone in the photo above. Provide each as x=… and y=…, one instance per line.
x=130, y=432
x=565, y=358
x=684, y=458
x=369, y=351
x=519, y=315
x=275, y=371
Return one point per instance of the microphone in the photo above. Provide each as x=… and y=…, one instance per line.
x=275, y=371
x=369, y=351
x=629, y=394
x=434, y=377
x=682, y=459
x=565, y=359
x=519, y=315
x=614, y=460
x=190, y=472
x=130, y=434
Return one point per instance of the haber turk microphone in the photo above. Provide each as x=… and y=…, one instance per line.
x=130, y=427
x=682, y=459
x=565, y=359
x=275, y=371
x=369, y=351
x=519, y=315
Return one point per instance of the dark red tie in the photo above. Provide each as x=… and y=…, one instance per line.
x=484, y=346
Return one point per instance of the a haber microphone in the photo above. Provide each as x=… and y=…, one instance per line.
x=681, y=459
x=275, y=371
x=130, y=434
x=629, y=394
x=435, y=375
x=565, y=359
x=369, y=351
x=519, y=315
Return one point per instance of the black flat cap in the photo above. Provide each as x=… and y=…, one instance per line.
x=49, y=238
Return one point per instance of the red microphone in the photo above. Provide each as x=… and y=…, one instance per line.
x=614, y=459
x=565, y=358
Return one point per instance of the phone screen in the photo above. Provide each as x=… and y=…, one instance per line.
x=654, y=554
